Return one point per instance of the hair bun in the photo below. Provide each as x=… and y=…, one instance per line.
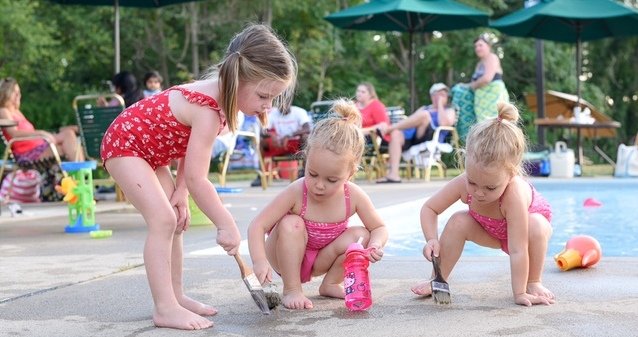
x=507, y=111
x=347, y=110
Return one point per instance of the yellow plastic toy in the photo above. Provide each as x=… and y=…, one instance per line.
x=101, y=234
x=67, y=187
x=581, y=251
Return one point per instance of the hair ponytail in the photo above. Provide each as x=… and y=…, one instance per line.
x=229, y=84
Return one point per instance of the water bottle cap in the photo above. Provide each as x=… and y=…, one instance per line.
x=356, y=245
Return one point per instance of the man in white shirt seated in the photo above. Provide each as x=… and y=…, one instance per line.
x=419, y=127
x=285, y=133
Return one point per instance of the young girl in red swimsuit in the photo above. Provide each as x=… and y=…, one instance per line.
x=505, y=211
x=307, y=223
x=182, y=123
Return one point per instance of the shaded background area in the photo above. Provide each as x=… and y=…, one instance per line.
x=59, y=51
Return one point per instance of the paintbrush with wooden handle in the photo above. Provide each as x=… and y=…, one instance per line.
x=440, y=288
x=255, y=288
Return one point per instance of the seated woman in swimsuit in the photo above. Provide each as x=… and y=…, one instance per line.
x=65, y=140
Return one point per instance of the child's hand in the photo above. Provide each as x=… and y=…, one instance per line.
x=376, y=253
x=229, y=239
x=529, y=300
x=179, y=201
x=431, y=248
x=263, y=271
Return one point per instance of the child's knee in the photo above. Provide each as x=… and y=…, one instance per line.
x=459, y=221
x=357, y=232
x=539, y=227
x=164, y=222
x=291, y=225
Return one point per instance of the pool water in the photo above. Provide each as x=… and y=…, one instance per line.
x=614, y=224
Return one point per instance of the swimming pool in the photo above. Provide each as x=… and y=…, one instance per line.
x=614, y=224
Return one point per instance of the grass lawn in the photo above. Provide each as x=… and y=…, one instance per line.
x=598, y=170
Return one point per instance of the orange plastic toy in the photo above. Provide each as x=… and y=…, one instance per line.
x=581, y=251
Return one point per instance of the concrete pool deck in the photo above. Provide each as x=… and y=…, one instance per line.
x=57, y=284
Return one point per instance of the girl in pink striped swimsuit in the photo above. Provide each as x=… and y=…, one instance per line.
x=505, y=211
x=307, y=223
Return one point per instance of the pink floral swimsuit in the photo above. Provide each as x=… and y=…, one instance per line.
x=149, y=130
x=320, y=234
x=497, y=228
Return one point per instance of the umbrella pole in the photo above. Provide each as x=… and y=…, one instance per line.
x=411, y=72
x=117, y=36
x=579, y=155
x=540, y=88
x=578, y=67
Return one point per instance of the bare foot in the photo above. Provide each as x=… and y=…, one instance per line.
x=197, y=307
x=332, y=290
x=422, y=289
x=536, y=288
x=177, y=317
x=296, y=300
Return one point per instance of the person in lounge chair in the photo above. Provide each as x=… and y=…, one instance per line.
x=418, y=128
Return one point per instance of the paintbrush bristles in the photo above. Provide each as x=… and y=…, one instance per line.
x=251, y=281
x=440, y=288
x=260, y=298
x=441, y=292
x=257, y=292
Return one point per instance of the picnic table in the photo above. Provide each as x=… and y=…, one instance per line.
x=578, y=126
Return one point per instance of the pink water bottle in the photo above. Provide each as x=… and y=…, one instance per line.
x=356, y=281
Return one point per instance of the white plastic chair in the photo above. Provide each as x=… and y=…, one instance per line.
x=425, y=155
x=232, y=142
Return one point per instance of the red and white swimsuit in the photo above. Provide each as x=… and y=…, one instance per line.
x=149, y=130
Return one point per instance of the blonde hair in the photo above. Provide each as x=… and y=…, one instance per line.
x=498, y=141
x=340, y=132
x=7, y=88
x=253, y=55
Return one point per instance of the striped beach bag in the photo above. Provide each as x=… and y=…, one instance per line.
x=21, y=186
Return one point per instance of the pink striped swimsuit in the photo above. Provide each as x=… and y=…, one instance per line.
x=320, y=234
x=497, y=228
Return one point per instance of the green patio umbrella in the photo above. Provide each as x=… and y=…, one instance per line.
x=116, y=5
x=571, y=21
x=412, y=16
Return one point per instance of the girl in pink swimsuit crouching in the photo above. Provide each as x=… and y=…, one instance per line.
x=307, y=222
x=505, y=211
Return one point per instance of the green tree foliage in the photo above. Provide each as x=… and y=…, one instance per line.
x=59, y=51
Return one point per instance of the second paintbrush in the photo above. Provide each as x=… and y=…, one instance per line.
x=440, y=288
